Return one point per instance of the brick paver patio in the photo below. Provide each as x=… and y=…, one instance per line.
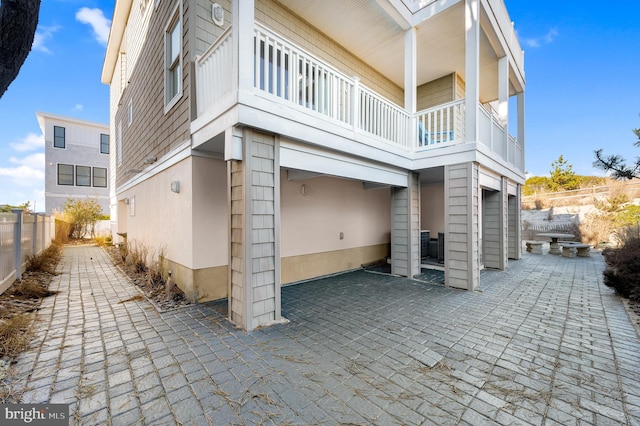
x=544, y=342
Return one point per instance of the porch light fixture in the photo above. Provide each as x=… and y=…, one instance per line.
x=175, y=186
x=217, y=14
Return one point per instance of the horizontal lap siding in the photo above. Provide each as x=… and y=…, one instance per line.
x=491, y=234
x=405, y=228
x=514, y=230
x=263, y=230
x=152, y=132
x=237, y=296
x=461, y=198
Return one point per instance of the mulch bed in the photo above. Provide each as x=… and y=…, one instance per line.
x=154, y=291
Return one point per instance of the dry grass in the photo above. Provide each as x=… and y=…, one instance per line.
x=136, y=298
x=16, y=305
x=147, y=272
x=45, y=261
x=15, y=335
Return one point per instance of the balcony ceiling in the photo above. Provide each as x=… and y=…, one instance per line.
x=364, y=28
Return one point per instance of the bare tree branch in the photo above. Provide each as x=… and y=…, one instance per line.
x=616, y=165
x=18, y=22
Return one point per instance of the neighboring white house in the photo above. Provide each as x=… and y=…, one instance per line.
x=263, y=142
x=76, y=160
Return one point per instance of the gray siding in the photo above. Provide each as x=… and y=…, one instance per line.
x=461, y=223
x=514, y=232
x=255, y=257
x=237, y=298
x=152, y=131
x=405, y=228
x=493, y=229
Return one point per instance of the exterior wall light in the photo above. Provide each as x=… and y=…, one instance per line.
x=217, y=14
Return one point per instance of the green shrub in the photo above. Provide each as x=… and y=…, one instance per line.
x=82, y=214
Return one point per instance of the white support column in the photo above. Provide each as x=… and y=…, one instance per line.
x=472, y=68
x=243, y=18
x=411, y=82
x=503, y=92
x=521, y=121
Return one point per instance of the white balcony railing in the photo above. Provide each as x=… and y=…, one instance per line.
x=494, y=136
x=441, y=125
x=294, y=75
x=214, y=72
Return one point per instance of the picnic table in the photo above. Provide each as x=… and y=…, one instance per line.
x=554, y=247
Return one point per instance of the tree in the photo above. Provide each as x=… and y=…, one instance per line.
x=82, y=215
x=617, y=165
x=562, y=176
x=535, y=184
x=18, y=22
x=6, y=208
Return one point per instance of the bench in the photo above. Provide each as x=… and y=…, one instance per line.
x=571, y=249
x=534, y=247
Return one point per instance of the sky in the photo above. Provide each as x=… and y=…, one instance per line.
x=582, y=66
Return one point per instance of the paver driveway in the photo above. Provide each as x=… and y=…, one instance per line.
x=542, y=343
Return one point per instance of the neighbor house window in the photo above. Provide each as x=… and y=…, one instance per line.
x=99, y=177
x=65, y=174
x=104, y=144
x=83, y=176
x=58, y=137
x=173, y=60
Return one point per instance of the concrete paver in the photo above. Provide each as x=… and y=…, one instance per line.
x=542, y=343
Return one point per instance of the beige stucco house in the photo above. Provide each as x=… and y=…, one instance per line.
x=262, y=142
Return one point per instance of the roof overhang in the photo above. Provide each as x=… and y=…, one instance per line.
x=116, y=33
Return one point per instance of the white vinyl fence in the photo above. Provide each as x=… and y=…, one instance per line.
x=21, y=234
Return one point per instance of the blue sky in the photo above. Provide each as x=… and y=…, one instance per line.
x=582, y=61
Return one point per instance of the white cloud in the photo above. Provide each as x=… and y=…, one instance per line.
x=78, y=107
x=33, y=161
x=547, y=38
x=23, y=175
x=43, y=34
x=98, y=22
x=28, y=143
x=28, y=171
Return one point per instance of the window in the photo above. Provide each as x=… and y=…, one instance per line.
x=173, y=61
x=65, y=174
x=99, y=177
x=83, y=176
x=58, y=137
x=104, y=144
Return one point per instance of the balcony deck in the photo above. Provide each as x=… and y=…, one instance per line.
x=297, y=82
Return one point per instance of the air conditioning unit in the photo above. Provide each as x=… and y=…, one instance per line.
x=425, y=239
x=440, y=247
